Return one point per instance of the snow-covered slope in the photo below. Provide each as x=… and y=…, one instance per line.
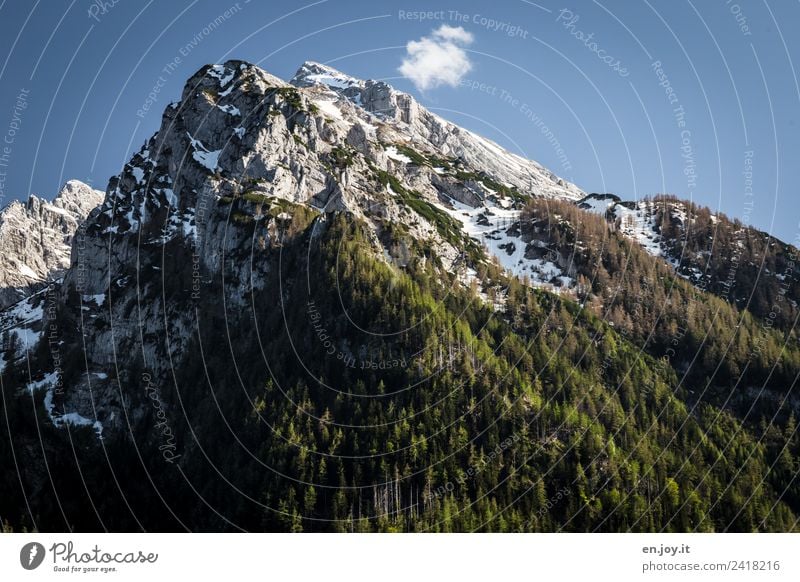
x=640, y=220
x=637, y=221
x=598, y=203
x=496, y=226
x=21, y=327
x=657, y=224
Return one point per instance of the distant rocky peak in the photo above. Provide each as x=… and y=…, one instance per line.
x=77, y=198
x=35, y=238
x=376, y=97
x=312, y=73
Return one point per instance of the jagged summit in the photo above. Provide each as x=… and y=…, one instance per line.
x=77, y=197
x=428, y=129
x=325, y=140
x=35, y=238
x=312, y=73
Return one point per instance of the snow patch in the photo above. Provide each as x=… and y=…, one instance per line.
x=201, y=154
x=639, y=224
x=230, y=110
x=99, y=298
x=329, y=108
x=392, y=152
x=27, y=271
x=318, y=74
x=489, y=225
x=221, y=74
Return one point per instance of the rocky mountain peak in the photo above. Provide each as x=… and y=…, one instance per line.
x=312, y=73
x=35, y=238
x=427, y=130
x=326, y=140
x=78, y=198
x=376, y=97
x=244, y=152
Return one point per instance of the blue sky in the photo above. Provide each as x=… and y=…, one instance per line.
x=594, y=109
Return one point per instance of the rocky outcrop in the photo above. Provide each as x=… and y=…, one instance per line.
x=404, y=119
x=36, y=238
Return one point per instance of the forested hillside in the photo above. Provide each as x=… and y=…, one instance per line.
x=443, y=414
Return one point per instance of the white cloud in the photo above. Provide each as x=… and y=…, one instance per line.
x=438, y=59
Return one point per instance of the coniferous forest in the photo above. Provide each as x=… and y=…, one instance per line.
x=531, y=415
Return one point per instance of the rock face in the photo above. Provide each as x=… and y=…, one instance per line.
x=36, y=237
x=243, y=150
x=403, y=118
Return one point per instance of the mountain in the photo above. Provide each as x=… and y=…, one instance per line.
x=237, y=149
x=473, y=180
x=317, y=306
x=393, y=116
x=36, y=237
